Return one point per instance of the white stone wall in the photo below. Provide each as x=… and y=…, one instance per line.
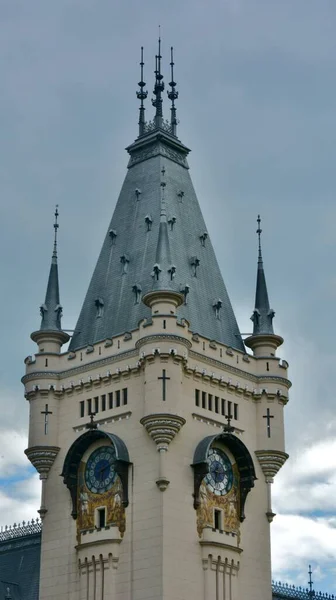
x=161, y=555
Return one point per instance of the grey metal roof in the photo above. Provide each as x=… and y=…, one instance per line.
x=124, y=269
x=20, y=564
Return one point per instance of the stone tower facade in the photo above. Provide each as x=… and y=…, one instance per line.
x=156, y=434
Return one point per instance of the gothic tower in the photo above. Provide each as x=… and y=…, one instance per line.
x=156, y=435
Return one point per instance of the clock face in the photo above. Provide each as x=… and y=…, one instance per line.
x=220, y=477
x=99, y=472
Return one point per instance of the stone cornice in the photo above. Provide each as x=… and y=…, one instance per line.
x=237, y=371
x=214, y=422
x=81, y=368
x=104, y=420
x=163, y=337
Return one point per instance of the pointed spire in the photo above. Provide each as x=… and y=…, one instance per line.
x=51, y=310
x=163, y=270
x=158, y=89
x=141, y=95
x=262, y=315
x=172, y=94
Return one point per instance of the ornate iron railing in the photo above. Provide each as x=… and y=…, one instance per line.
x=20, y=529
x=284, y=591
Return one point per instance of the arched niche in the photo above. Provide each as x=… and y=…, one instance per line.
x=243, y=459
x=74, y=456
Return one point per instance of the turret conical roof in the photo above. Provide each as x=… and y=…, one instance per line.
x=51, y=310
x=263, y=315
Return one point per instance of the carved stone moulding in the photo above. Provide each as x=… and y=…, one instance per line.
x=162, y=427
x=42, y=457
x=271, y=462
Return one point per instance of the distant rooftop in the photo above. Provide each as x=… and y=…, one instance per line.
x=20, y=549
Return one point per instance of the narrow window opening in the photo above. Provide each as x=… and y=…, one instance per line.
x=46, y=362
x=221, y=352
x=218, y=519
x=89, y=406
x=229, y=413
x=267, y=366
x=235, y=411
x=110, y=399
x=117, y=398
x=103, y=402
x=210, y=401
x=164, y=323
x=203, y=400
x=99, y=352
x=223, y=406
x=82, y=408
x=118, y=343
x=125, y=394
x=203, y=345
x=216, y=404
x=96, y=404
x=81, y=356
x=197, y=397
x=101, y=517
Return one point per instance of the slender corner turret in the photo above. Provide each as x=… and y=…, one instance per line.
x=164, y=271
x=263, y=340
x=50, y=337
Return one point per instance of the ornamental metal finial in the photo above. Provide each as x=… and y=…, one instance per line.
x=310, y=582
x=158, y=87
x=92, y=424
x=227, y=428
x=259, y=231
x=172, y=94
x=141, y=95
x=56, y=226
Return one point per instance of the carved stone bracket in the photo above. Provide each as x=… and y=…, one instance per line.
x=271, y=462
x=162, y=428
x=42, y=458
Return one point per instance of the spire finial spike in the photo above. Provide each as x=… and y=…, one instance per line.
x=310, y=582
x=56, y=226
x=173, y=93
x=163, y=211
x=158, y=87
x=259, y=231
x=141, y=95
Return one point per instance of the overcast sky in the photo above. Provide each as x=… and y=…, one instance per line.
x=257, y=106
